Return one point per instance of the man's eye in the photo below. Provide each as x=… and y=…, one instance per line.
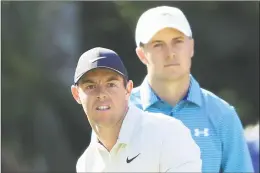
x=91, y=87
x=157, y=45
x=178, y=41
x=111, y=85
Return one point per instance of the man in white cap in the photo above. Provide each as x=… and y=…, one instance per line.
x=165, y=45
x=125, y=138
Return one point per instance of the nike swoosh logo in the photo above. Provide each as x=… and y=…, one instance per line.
x=130, y=160
x=93, y=60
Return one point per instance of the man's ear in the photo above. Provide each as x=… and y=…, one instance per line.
x=141, y=55
x=75, y=93
x=129, y=87
x=192, y=48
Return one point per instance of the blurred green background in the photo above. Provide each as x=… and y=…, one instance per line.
x=44, y=129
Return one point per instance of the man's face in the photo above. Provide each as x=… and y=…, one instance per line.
x=103, y=96
x=168, y=54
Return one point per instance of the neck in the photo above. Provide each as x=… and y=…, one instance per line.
x=108, y=135
x=171, y=91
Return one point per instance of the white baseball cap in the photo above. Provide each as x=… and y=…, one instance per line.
x=155, y=19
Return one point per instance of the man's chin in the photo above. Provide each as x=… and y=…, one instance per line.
x=105, y=125
x=168, y=78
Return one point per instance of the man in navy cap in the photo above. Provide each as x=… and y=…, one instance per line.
x=124, y=138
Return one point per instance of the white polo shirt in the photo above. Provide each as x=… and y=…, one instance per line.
x=148, y=142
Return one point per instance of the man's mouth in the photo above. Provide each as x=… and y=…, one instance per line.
x=170, y=65
x=103, y=108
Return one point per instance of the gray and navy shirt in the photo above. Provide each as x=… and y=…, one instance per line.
x=214, y=124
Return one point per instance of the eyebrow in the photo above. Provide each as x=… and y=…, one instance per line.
x=86, y=81
x=112, y=78
x=160, y=41
x=180, y=37
x=156, y=41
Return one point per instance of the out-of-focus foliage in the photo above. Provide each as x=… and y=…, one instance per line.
x=44, y=129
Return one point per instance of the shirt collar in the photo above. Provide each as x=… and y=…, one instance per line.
x=149, y=97
x=194, y=92
x=129, y=124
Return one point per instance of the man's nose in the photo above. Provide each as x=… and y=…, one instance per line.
x=101, y=93
x=171, y=51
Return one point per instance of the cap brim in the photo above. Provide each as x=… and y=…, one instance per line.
x=149, y=35
x=79, y=77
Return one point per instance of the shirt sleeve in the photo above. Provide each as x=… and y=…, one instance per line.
x=180, y=153
x=236, y=157
x=80, y=165
x=82, y=161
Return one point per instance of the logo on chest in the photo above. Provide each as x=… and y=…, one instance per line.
x=130, y=160
x=200, y=132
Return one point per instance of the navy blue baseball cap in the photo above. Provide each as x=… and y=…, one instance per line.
x=99, y=58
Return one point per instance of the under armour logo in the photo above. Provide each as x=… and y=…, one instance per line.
x=199, y=132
